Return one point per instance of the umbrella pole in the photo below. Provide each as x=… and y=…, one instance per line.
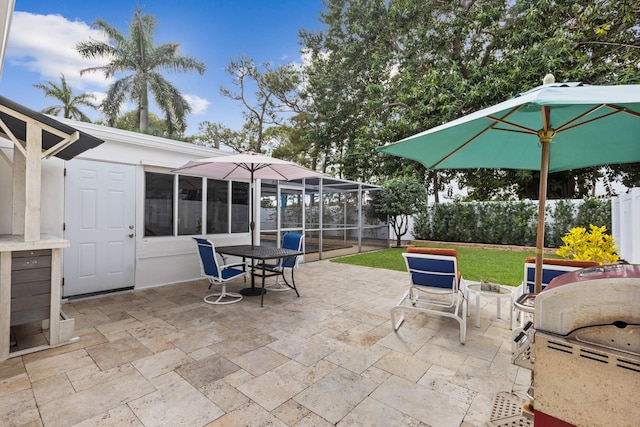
x=252, y=224
x=545, y=140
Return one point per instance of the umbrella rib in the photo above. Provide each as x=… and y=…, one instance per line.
x=233, y=170
x=568, y=126
x=280, y=173
x=624, y=110
x=254, y=167
x=485, y=130
x=463, y=145
x=504, y=122
x=528, y=131
x=259, y=166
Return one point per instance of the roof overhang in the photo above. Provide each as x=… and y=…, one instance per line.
x=58, y=139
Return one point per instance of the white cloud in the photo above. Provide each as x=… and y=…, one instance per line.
x=198, y=105
x=45, y=44
x=98, y=96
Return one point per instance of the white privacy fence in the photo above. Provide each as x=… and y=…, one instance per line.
x=625, y=224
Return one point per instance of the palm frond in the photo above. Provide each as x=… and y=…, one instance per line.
x=64, y=94
x=53, y=110
x=136, y=53
x=95, y=49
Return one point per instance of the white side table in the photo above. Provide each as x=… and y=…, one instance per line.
x=505, y=292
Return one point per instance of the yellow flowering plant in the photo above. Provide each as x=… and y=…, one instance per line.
x=603, y=29
x=594, y=245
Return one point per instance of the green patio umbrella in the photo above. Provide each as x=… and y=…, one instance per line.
x=554, y=127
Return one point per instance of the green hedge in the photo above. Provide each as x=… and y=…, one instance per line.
x=507, y=223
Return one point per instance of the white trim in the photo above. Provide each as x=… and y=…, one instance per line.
x=142, y=139
x=6, y=12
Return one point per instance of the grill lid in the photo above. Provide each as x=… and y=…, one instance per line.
x=619, y=336
x=589, y=297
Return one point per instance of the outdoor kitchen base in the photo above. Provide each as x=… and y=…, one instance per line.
x=30, y=295
x=584, y=348
x=29, y=337
x=586, y=384
x=507, y=412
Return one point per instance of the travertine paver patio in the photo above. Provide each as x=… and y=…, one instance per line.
x=164, y=357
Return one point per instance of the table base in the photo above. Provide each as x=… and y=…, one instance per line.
x=252, y=292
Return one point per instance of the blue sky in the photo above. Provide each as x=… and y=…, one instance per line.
x=43, y=34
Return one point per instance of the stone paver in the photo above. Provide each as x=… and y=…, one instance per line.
x=163, y=357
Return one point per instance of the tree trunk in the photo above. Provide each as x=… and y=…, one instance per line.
x=400, y=228
x=144, y=111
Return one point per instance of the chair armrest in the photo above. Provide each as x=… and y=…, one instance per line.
x=236, y=264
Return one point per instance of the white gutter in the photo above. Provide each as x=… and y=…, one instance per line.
x=6, y=12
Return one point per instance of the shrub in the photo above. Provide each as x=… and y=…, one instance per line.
x=506, y=223
x=596, y=245
x=563, y=215
x=593, y=211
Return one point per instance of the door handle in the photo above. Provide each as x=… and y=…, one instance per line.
x=131, y=235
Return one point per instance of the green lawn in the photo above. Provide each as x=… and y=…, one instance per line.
x=491, y=265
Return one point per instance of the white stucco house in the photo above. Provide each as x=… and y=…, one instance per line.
x=87, y=209
x=117, y=204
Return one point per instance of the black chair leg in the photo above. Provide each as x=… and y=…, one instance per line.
x=264, y=273
x=293, y=281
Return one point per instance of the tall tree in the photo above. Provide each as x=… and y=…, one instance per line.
x=348, y=78
x=136, y=53
x=69, y=101
x=274, y=98
x=216, y=135
x=131, y=121
x=289, y=142
x=384, y=70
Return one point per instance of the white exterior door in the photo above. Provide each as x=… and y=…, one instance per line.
x=99, y=223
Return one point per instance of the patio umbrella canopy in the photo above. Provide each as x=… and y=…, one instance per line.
x=247, y=166
x=554, y=127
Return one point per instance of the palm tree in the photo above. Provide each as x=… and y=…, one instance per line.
x=137, y=54
x=64, y=94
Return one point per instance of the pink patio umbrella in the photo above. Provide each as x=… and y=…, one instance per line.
x=247, y=166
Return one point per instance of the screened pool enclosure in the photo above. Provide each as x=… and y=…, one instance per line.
x=334, y=215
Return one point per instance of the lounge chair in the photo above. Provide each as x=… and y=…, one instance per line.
x=551, y=268
x=436, y=287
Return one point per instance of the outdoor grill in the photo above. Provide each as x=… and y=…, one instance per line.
x=584, y=349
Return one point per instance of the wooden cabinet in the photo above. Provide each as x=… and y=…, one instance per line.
x=30, y=290
x=30, y=286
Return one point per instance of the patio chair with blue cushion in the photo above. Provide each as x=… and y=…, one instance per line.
x=294, y=242
x=436, y=287
x=217, y=273
x=551, y=268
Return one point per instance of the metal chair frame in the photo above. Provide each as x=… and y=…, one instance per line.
x=217, y=273
x=292, y=241
x=431, y=276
